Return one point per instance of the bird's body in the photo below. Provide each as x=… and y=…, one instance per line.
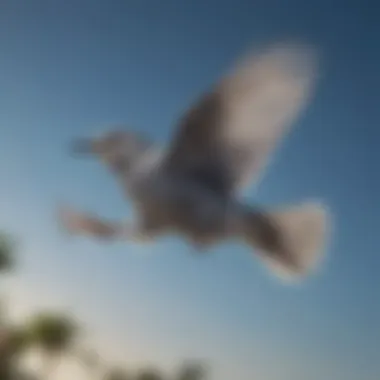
x=193, y=188
x=164, y=203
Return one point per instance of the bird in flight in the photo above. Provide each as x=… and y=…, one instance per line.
x=222, y=144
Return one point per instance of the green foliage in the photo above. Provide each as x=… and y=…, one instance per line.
x=18, y=340
x=13, y=343
x=7, y=249
x=53, y=332
x=192, y=371
x=149, y=374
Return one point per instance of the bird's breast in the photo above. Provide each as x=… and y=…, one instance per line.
x=181, y=206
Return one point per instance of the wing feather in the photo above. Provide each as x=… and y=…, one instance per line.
x=227, y=137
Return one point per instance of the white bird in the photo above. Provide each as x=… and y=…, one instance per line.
x=223, y=143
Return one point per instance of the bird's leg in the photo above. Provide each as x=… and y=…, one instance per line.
x=78, y=222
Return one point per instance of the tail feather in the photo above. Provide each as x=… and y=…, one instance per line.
x=290, y=241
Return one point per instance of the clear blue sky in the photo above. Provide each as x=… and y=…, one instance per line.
x=69, y=68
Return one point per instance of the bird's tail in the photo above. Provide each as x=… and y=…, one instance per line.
x=290, y=241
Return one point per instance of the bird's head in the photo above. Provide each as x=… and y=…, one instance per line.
x=116, y=149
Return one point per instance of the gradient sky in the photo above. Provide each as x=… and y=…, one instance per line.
x=71, y=68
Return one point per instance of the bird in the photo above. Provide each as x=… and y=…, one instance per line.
x=222, y=143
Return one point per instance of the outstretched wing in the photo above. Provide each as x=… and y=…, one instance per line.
x=225, y=140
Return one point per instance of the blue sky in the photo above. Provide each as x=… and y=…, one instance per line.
x=71, y=68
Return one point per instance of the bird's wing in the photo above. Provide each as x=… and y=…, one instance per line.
x=225, y=140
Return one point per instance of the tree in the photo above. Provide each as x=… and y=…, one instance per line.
x=7, y=248
x=54, y=334
x=7, y=262
x=149, y=374
x=13, y=343
x=192, y=371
